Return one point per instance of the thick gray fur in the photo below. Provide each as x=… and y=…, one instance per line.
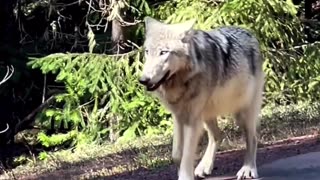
x=198, y=76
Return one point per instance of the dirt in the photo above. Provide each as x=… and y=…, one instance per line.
x=227, y=162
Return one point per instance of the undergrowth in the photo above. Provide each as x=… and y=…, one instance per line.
x=155, y=151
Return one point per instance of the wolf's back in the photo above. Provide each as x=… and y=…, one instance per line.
x=240, y=45
x=226, y=51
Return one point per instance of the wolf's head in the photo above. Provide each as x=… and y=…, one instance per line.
x=165, y=51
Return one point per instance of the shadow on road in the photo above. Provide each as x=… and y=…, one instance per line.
x=226, y=162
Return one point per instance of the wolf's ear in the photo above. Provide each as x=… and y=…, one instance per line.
x=187, y=36
x=186, y=26
x=182, y=29
x=151, y=23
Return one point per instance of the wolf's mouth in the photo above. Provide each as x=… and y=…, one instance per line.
x=152, y=87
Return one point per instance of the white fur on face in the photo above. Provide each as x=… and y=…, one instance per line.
x=161, y=36
x=156, y=67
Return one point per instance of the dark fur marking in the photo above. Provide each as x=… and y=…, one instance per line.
x=251, y=62
x=201, y=41
x=208, y=47
x=226, y=59
x=198, y=53
x=194, y=92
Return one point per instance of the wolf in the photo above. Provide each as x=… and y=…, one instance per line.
x=198, y=76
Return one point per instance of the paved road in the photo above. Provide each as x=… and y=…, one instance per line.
x=305, y=166
x=301, y=167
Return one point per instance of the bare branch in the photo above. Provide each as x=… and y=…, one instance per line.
x=5, y=130
x=10, y=71
x=134, y=44
x=28, y=118
x=125, y=23
x=65, y=5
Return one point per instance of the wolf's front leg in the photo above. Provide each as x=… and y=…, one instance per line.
x=191, y=134
x=206, y=164
x=177, y=144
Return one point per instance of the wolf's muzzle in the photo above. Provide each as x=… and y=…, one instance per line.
x=153, y=86
x=144, y=80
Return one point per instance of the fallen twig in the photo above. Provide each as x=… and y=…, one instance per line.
x=28, y=118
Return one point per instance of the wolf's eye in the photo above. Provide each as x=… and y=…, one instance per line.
x=146, y=51
x=163, y=52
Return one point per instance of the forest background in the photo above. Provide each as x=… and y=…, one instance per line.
x=75, y=66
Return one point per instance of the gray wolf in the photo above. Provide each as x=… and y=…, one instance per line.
x=200, y=75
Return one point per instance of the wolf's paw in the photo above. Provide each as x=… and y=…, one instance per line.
x=247, y=172
x=185, y=177
x=203, y=169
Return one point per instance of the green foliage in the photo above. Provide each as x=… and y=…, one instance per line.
x=102, y=96
x=293, y=75
x=56, y=139
x=279, y=122
x=273, y=21
x=43, y=156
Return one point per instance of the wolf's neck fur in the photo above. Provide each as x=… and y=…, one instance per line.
x=175, y=88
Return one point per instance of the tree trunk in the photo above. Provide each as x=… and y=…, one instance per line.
x=8, y=29
x=120, y=33
x=308, y=9
x=118, y=38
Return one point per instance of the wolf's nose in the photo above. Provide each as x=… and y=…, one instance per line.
x=144, y=80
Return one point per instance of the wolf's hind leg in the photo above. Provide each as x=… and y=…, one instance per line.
x=206, y=164
x=249, y=168
x=248, y=119
x=248, y=123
